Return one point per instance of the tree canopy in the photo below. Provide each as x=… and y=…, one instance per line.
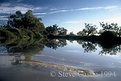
x=113, y=27
x=88, y=30
x=55, y=30
x=27, y=21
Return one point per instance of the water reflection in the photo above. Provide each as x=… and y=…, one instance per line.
x=30, y=48
x=26, y=54
x=22, y=49
x=55, y=43
x=111, y=51
x=88, y=46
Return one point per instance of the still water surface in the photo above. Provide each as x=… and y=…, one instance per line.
x=60, y=61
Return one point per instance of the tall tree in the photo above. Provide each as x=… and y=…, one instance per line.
x=27, y=20
x=82, y=33
x=111, y=27
x=62, y=31
x=71, y=34
x=52, y=30
x=89, y=30
x=106, y=26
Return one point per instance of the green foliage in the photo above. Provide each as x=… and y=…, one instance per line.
x=89, y=46
x=52, y=30
x=26, y=34
x=82, y=33
x=92, y=29
x=23, y=26
x=108, y=36
x=62, y=31
x=15, y=31
x=55, y=30
x=71, y=34
x=7, y=34
x=27, y=21
x=111, y=27
x=55, y=43
x=89, y=30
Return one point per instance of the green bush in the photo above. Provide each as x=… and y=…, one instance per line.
x=108, y=35
x=16, y=31
x=7, y=34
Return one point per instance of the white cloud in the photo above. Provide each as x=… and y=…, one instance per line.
x=39, y=13
x=58, y=11
x=37, y=8
x=3, y=18
x=40, y=16
x=91, y=8
x=111, y=7
x=40, y=8
x=10, y=8
x=85, y=8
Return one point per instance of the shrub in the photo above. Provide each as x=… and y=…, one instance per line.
x=108, y=35
x=7, y=34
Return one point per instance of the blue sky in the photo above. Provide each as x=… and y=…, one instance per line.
x=71, y=14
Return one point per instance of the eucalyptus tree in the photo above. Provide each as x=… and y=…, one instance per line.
x=88, y=30
x=27, y=21
x=111, y=27
x=55, y=30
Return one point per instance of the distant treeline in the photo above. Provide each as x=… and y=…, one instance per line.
x=27, y=26
x=89, y=30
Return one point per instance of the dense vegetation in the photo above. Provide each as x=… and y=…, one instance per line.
x=55, y=30
x=27, y=26
x=22, y=26
x=89, y=30
x=24, y=32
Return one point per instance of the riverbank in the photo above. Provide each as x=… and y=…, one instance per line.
x=92, y=38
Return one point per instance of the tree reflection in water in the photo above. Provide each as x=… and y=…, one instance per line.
x=107, y=47
x=88, y=46
x=24, y=50
x=55, y=43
